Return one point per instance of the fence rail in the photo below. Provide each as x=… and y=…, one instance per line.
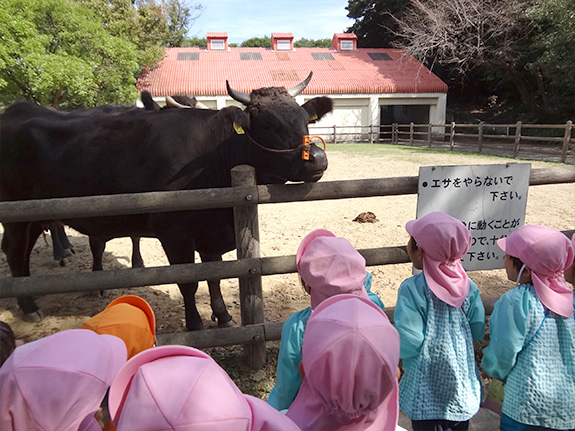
x=551, y=141
x=252, y=267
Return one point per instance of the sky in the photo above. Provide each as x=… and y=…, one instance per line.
x=244, y=19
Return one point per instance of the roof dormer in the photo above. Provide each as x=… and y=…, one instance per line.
x=344, y=42
x=217, y=41
x=282, y=42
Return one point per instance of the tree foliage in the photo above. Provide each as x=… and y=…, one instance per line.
x=375, y=21
x=513, y=44
x=257, y=42
x=71, y=53
x=312, y=43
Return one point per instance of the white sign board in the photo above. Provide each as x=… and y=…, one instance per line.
x=489, y=199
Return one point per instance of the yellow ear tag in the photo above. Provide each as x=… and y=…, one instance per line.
x=313, y=117
x=239, y=129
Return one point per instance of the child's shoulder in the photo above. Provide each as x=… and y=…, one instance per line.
x=298, y=318
x=523, y=295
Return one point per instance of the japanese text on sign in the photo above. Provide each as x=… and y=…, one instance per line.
x=489, y=199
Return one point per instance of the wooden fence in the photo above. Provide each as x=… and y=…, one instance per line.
x=546, y=141
x=245, y=196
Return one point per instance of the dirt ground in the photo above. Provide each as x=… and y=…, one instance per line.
x=282, y=226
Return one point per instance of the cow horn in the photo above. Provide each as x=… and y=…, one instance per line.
x=294, y=91
x=238, y=95
x=173, y=104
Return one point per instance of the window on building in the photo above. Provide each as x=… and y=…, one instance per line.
x=379, y=56
x=347, y=45
x=188, y=56
x=284, y=45
x=322, y=56
x=217, y=44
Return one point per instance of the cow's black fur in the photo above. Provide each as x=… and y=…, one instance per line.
x=46, y=154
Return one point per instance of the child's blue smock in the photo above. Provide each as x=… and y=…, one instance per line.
x=535, y=355
x=441, y=379
x=288, y=379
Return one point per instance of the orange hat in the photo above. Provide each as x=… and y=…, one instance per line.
x=130, y=318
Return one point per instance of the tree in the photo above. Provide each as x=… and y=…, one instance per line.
x=501, y=39
x=554, y=65
x=180, y=19
x=257, y=42
x=374, y=23
x=195, y=42
x=311, y=43
x=57, y=52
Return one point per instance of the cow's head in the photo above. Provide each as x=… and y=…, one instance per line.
x=275, y=126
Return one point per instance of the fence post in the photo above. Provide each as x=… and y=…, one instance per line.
x=429, y=135
x=371, y=133
x=334, y=133
x=480, y=136
x=452, y=136
x=517, y=139
x=248, y=246
x=566, y=139
x=411, y=133
x=394, y=133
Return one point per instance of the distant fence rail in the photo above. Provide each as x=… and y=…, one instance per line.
x=545, y=141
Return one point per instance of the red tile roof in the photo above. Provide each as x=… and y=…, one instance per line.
x=200, y=72
x=282, y=35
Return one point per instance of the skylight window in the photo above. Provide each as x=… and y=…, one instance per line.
x=250, y=56
x=322, y=56
x=379, y=56
x=188, y=56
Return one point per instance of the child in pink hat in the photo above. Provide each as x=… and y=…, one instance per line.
x=439, y=315
x=532, y=332
x=327, y=266
x=350, y=363
x=58, y=382
x=181, y=388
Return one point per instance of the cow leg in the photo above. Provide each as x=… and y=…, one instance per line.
x=17, y=243
x=219, y=309
x=137, y=261
x=61, y=247
x=179, y=248
x=97, y=247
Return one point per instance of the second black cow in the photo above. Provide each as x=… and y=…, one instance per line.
x=53, y=155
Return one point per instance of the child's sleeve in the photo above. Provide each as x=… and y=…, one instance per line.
x=288, y=379
x=507, y=333
x=373, y=297
x=410, y=318
x=476, y=313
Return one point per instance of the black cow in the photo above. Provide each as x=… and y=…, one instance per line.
x=54, y=155
x=61, y=246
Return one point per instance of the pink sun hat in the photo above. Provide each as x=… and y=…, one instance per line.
x=350, y=359
x=444, y=241
x=547, y=252
x=58, y=382
x=330, y=265
x=182, y=388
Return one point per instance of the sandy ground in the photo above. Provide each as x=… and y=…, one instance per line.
x=282, y=226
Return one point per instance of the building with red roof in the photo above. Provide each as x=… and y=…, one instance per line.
x=370, y=86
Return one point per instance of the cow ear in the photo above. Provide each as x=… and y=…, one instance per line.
x=318, y=107
x=241, y=121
